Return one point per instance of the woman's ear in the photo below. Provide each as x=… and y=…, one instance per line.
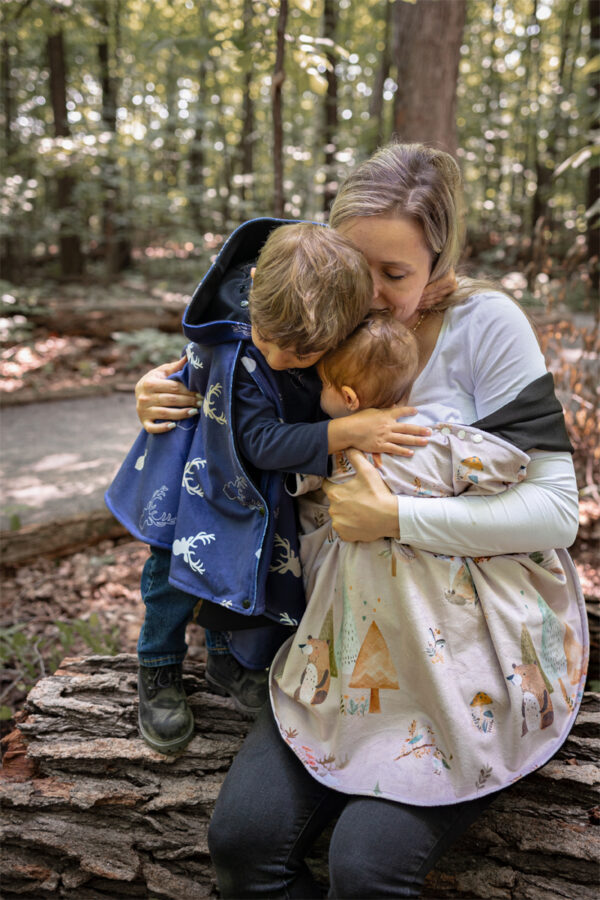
x=350, y=398
x=252, y=271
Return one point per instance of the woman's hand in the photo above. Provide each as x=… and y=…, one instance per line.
x=362, y=508
x=437, y=290
x=377, y=431
x=157, y=397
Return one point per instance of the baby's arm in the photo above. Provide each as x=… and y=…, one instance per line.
x=269, y=443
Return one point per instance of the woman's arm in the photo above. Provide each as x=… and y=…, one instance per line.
x=540, y=513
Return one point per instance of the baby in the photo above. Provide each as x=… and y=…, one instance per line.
x=376, y=367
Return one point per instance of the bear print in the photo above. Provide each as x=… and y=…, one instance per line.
x=536, y=706
x=315, y=679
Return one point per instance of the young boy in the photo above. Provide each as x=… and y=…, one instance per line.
x=208, y=496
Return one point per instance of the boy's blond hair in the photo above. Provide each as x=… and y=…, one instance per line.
x=311, y=288
x=378, y=361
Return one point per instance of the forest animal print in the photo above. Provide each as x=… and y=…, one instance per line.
x=450, y=677
x=316, y=677
x=536, y=706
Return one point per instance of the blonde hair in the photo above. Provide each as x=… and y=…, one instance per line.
x=416, y=182
x=378, y=361
x=311, y=288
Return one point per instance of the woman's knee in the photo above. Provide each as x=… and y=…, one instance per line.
x=353, y=877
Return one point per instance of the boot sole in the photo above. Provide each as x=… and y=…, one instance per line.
x=248, y=711
x=166, y=747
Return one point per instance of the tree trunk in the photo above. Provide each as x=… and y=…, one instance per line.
x=247, y=135
x=330, y=107
x=427, y=39
x=593, y=184
x=195, y=177
x=116, y=247
x=376, y=105
x=8, y=267
x=89, y=811
x=276, y=88
x=71, y=257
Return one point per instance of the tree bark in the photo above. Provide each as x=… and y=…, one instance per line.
x=247, y=135
x=59, y=538
x=76, y=317
x=71, y=257
x=116, y=247
x=376, y=105
x=8, y=261
x=427, y=39
x=195, y=176
x=276, y=88
x=90, y=811
x=593, y=182
x=330, y=106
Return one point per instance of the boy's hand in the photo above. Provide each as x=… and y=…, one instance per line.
x=377, y=431
x=158, y=397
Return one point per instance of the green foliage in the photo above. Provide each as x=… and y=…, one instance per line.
x=189, y=75
x=149, y=345
x=28, y=660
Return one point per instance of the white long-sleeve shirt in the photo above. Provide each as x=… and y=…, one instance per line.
x=485, y=355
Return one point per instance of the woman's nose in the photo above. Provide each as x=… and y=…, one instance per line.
x=376, y=291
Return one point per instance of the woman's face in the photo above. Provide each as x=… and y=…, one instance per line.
x=399, y=259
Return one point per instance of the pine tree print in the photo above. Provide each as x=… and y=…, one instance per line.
x=529, y=654
x=326, y=634
x=348, y=645
x=554, y=643
x=374, y=669
x=553, y=654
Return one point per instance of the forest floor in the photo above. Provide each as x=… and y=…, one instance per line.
x=96, y=339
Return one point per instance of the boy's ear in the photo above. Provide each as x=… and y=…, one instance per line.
x=350, y=398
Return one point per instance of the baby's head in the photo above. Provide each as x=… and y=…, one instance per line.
x=375, y=367
x=311, y=288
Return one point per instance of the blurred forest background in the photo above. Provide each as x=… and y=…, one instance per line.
x=138, y=133
x=143, y=128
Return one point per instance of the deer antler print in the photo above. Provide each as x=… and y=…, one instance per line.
x=288, y=561
x=213, y=393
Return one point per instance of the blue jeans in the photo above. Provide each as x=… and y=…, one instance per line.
x=271, y=810
x=169, y=610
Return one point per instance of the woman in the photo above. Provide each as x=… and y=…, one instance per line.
x=477, y=353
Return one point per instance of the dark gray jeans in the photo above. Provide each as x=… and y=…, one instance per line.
x=270, y=811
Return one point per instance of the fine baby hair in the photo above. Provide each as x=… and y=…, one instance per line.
x=378, y=361
x=311, y=288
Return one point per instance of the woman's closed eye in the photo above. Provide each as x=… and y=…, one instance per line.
x=395, y=277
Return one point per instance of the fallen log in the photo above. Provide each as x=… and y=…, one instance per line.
x=68, y=535
x=79, y=317
x=90, y=812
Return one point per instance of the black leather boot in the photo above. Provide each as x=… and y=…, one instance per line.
x=165, y=719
